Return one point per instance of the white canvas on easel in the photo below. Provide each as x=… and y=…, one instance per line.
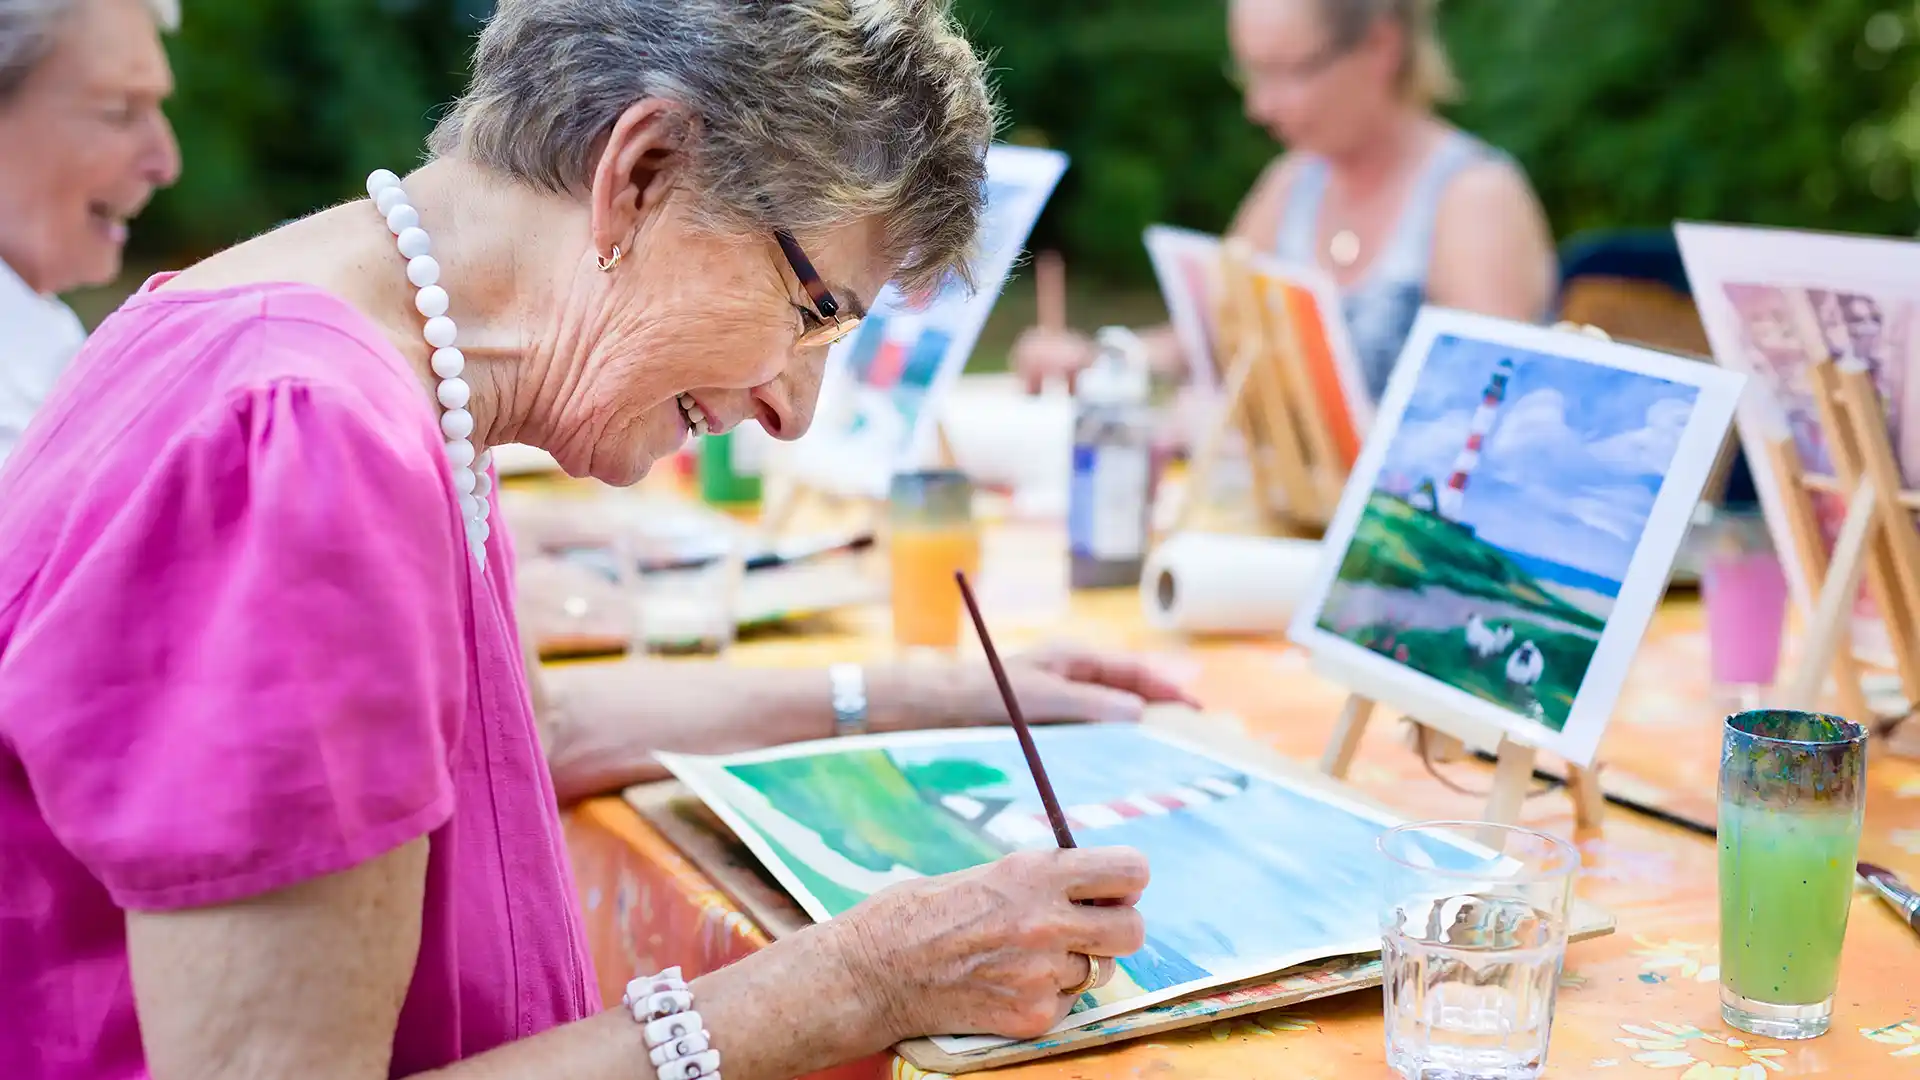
x=1508, y=532
x=887, y=381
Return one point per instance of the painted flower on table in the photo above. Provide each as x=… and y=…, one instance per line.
x=1905, y=1035
x=1907, y=840
x=1704, y=1056
x=1605, y=861
x=1661, y=960
x=1910, y=789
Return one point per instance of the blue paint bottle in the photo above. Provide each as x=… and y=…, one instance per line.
x=1110, y=497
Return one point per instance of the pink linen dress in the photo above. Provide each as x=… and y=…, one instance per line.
x=243, y=645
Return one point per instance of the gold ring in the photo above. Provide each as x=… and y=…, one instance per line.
x=1096, y=974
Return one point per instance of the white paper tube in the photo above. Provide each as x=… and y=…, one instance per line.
x=1197, y=583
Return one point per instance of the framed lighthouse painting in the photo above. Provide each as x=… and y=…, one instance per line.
x=1511, y=525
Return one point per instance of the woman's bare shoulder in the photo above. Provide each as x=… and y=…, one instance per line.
x=1492, y=247
x=1259, y=216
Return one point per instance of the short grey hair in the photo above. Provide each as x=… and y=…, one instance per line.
x=27, y=29
x=804, y=114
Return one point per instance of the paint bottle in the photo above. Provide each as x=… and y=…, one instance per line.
x=730, y=465
x=1111, y=493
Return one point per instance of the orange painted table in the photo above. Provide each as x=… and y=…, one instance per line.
x=1641, y=1003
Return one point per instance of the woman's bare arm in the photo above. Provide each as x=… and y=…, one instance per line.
x=307, y=983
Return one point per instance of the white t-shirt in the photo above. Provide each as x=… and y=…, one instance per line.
x=38, y=336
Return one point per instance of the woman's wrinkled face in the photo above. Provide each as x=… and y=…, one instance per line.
x=697, y=332
x=1307, y=89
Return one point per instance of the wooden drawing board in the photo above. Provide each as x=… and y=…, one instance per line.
x=685, y=821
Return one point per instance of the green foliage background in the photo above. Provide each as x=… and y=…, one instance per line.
x=1625, y=112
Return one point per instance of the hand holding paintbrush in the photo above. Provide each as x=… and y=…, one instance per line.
x=1100, y=969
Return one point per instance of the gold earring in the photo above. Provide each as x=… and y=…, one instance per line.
x=608, y=262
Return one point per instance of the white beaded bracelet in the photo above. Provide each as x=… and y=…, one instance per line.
x=676, y=1038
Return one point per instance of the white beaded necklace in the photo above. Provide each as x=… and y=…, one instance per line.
x=470, y=479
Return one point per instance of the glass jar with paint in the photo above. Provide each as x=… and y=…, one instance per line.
x=1744, y=589
x=1791, y=799
x=1110, y=497
x=931, y=534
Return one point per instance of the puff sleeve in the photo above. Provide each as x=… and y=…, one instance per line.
x=251, y=669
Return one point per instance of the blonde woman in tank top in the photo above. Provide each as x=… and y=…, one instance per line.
x=1397, y=205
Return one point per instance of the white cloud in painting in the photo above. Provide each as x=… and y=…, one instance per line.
x=1619, y=510
x=1422, y=445
x=1535, y=423
x=1649, y=450
x=1534, y=445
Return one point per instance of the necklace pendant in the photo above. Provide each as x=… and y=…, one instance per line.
x=1344, y=248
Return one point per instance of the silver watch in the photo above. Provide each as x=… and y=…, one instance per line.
x=849, y=684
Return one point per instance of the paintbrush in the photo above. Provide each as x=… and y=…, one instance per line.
x=1904, y=900
x=1059, y=820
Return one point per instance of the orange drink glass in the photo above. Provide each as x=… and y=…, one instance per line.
x=932, y=534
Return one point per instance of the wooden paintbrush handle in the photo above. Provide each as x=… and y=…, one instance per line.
x=1050, y=290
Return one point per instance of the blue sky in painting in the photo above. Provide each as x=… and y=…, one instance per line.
x=1267, y=873
x=1575, y=458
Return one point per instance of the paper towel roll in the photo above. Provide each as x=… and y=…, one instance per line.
x=1198, y=583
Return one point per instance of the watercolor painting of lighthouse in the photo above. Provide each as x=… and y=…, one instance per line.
x=1512, y=522
x=1252, y=873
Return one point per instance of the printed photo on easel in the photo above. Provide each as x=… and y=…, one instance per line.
x=1776, y=301
x=1512, y=522
x=886, y=382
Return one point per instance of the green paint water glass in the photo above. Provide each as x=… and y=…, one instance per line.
x=1791, y=796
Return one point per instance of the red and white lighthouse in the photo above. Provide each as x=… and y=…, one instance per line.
x=1022, y=830
x=1469, y=458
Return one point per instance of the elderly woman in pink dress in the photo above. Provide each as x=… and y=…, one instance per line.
x=273, y=802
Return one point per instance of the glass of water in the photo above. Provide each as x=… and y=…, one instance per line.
x=691, y=606
x=1473, y=933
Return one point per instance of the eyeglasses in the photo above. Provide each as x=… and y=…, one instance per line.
x=1291, y=72
x=826, y=323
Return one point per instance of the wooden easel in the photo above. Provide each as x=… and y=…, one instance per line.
x=1879, y=541
x=1512, y=774
x=1269, y=400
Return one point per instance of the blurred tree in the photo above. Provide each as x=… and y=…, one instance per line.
x=1135, y=92
x=281, y=107
x=1630, y=112
x=1638, y=112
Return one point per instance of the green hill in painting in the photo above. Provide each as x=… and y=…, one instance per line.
x=864, y=807
x=1382, y=602
x=1400, y=547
